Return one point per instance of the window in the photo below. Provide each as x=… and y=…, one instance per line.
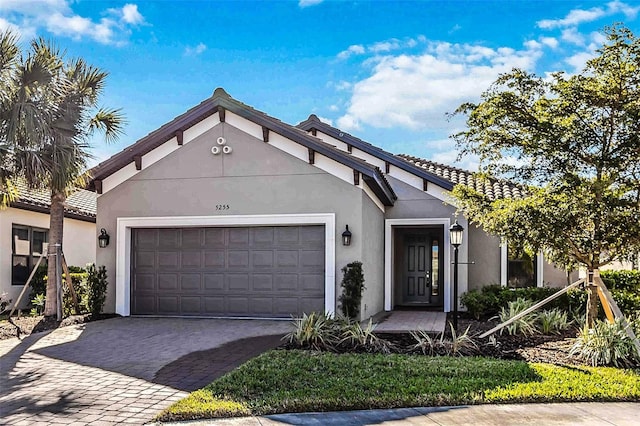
x=521, y=268
x=27, y=244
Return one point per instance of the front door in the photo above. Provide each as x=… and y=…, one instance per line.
x=422, y=268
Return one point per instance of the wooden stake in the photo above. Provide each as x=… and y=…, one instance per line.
x=74, y=296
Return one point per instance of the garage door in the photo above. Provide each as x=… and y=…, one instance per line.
x=274, y=271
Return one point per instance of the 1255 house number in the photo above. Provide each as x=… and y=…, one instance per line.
x=222, y=206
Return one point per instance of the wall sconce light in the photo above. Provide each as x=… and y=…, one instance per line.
x=346, y=237
x=103, y=239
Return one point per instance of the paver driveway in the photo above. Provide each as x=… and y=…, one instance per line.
x=121, y=370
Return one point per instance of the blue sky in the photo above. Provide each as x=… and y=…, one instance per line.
x=385, y=71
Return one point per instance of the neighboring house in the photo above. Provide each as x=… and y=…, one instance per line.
x=24, y=232
x=226, y=211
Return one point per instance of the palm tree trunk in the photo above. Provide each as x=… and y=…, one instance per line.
x=56, y=221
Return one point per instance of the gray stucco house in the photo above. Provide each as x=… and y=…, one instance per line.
x=226, y=211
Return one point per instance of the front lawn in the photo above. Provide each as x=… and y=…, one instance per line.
x=298, y=381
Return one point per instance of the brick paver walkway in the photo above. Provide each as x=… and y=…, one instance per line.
x=122, y=370
x=403, y=321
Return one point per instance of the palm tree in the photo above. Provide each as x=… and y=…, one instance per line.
x=48, y=112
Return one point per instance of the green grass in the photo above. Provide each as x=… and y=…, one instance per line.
x=296, y=381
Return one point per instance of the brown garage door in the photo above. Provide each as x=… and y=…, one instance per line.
x=274, y=271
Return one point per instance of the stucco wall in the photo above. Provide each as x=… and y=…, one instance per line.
x=255, y=178
x=372, y=258
x=79, y=242
x=484, y=250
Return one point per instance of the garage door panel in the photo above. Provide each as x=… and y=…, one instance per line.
x=213, y=305
x=192, y=238
x=190, y=305
x=145, y=304
x=146, y=238
x=312, y=258
x=214, y=259
x=144, y=259
x=213, y=282
x=191, y=259
x=168, y=259
x=262, y=259
x=145, y=282
x=190, y=282
x=286, y=282
x=237, y=305
x=287, y=258
x=214, y=237
x=238, y=282
x=262, y=282
x=168, y=305
x=238, y=236
x=272, y=271
x=167, y=281
x=168, y=238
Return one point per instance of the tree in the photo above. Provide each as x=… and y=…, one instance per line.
x=573, y=143
x=48, y=112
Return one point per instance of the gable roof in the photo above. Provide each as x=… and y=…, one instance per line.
x=313, y=123
x=220, y=102
x=80, y=205
x=493, y=188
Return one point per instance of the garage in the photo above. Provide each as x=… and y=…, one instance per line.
x=251, y=271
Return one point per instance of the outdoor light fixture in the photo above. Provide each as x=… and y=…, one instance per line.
x=103, y=239
x=455, y=233
x=346, y=237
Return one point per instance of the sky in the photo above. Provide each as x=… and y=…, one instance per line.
x=387, y=72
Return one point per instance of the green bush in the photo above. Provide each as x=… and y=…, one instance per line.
x=489, y=300
x=553, y=321
x=96, y=288
x=352, y=286
x=79, y=282
x=605, y=344
x=38, y=283
x=625, y=289
x=525, y=325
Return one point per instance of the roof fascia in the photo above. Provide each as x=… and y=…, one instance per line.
x=375, y=151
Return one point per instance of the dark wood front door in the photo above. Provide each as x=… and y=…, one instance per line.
x=422, y=268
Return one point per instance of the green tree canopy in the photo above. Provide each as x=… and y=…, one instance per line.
x=572, y=142
x=48, y=112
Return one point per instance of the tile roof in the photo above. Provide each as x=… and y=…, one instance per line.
x=80, y=205
x=492, y=188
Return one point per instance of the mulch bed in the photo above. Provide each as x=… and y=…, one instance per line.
x=26, y=324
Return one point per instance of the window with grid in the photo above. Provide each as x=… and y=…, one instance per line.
x=27, y=244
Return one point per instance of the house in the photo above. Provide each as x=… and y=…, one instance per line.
x=24, y=230
x=226, y=211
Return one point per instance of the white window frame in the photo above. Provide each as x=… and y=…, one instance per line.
x=504, y=265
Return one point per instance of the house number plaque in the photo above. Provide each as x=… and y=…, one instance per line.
x=222, y=207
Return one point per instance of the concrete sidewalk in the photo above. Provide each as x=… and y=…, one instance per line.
x=588, y=413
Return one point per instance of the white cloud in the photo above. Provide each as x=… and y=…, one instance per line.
x=58, y=18
x=130, y=14
x=334, y=108
x=308, y=3
x=326, y=120
x=578, y=16
x=355, y=49
x=571, y=35
x=380, y=47
x=549, y=41
x=194, y=51
x=416, y=91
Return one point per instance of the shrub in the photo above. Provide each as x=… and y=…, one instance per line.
x=352, y=286
x=352, y=333
x=38, y=283
x=38, y=304
x=525, y=325
x=424, y=342
x=460, y=344
x=96, y=288
x=315, y=331
x=80, y=286
x=553, y=321
x=4, y=302
x=605, y=344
